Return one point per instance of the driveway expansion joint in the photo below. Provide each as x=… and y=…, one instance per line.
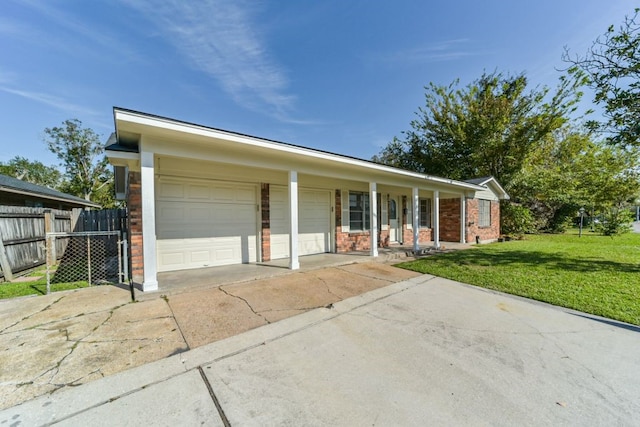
x=216, y=402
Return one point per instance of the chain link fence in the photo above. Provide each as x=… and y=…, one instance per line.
x=95, y=257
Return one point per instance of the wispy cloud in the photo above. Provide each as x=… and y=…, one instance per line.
x=219, y=38
x=75, y=37
x=50, y=100
x=447, y=50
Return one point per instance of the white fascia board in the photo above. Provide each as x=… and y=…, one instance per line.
x=124, y=155
x=123, y=158
x=168, y=124
x=496, y=186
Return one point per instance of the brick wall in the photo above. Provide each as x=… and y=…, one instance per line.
x=450, y=220
x=484, y=233
x=354, y=241
x=265, y=236
x=134, y=204
x=424, y=236
x=383, y=238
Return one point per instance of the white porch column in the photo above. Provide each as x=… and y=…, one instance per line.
x=463, y=219
x=416, y=219
x=294, y=262
x=373, y=212
x=436, y=219
x=149, y=254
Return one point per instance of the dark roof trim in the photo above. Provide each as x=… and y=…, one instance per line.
x=479, y=181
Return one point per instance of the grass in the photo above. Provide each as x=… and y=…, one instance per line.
x=38, y=287
x=593, y=274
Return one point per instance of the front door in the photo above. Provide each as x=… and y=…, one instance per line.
x=394, y=221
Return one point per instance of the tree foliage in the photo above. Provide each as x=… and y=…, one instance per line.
x=612, y=67
x=486, y=128
x=34, y=172
x=527, y=140
x=568, y=171
x=86, y=168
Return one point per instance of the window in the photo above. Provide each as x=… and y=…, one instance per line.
x=393, y=210
x=484, y=213
x=359, y=215
x=425, y=213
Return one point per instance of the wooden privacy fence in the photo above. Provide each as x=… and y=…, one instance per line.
x=23, y=233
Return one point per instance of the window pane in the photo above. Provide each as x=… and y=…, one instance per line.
x=359, y=218
x=484, y=213
x=425, y=213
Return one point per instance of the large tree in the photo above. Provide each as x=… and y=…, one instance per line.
x=82, y=155
x=612, y=67
x=34, y=172
x=570, y=170
x=486, y=128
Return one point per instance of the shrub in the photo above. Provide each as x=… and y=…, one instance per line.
x=516, y=219
x=615, y=221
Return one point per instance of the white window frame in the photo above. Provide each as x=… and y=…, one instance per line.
x=425, y=212
x=484, y=213
x=366, y=211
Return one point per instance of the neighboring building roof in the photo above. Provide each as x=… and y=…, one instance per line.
x=489, y=181
x=13, y=185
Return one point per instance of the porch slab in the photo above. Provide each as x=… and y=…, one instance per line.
x=174, y=282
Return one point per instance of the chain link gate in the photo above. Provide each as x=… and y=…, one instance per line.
x=95, y=257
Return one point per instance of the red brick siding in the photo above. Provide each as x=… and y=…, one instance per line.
x=265, y=236
x=450, y=220
x=383, y=239
x=134, y=204
x=354, y=241
x=424, y=234
x=484, y=233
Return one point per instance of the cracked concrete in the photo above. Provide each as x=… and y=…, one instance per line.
x=420, y=352
x=239, y=307
x=69, y=338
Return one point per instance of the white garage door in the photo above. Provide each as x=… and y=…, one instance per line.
x=314, y=221
x=204, y=223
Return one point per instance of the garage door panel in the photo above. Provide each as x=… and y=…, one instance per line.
x=171, y=190
x=202, y=224
x=245, y=195
x=199, y=192
x=314, y=222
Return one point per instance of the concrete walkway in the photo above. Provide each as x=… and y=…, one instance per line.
x=424, y=351
x=49, y=343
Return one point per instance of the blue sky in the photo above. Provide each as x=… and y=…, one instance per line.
x=344, y=76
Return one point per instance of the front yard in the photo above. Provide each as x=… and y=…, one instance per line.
x=594, y=274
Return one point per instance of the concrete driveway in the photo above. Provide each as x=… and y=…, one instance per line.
x=62, y=340
x=426, y=351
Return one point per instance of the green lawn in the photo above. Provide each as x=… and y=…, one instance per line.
x=38, y=287
x=592, y=273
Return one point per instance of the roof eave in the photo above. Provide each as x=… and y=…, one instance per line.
x=145, y=119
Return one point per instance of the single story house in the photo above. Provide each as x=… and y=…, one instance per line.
x=199, y=197
x=15, y=192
